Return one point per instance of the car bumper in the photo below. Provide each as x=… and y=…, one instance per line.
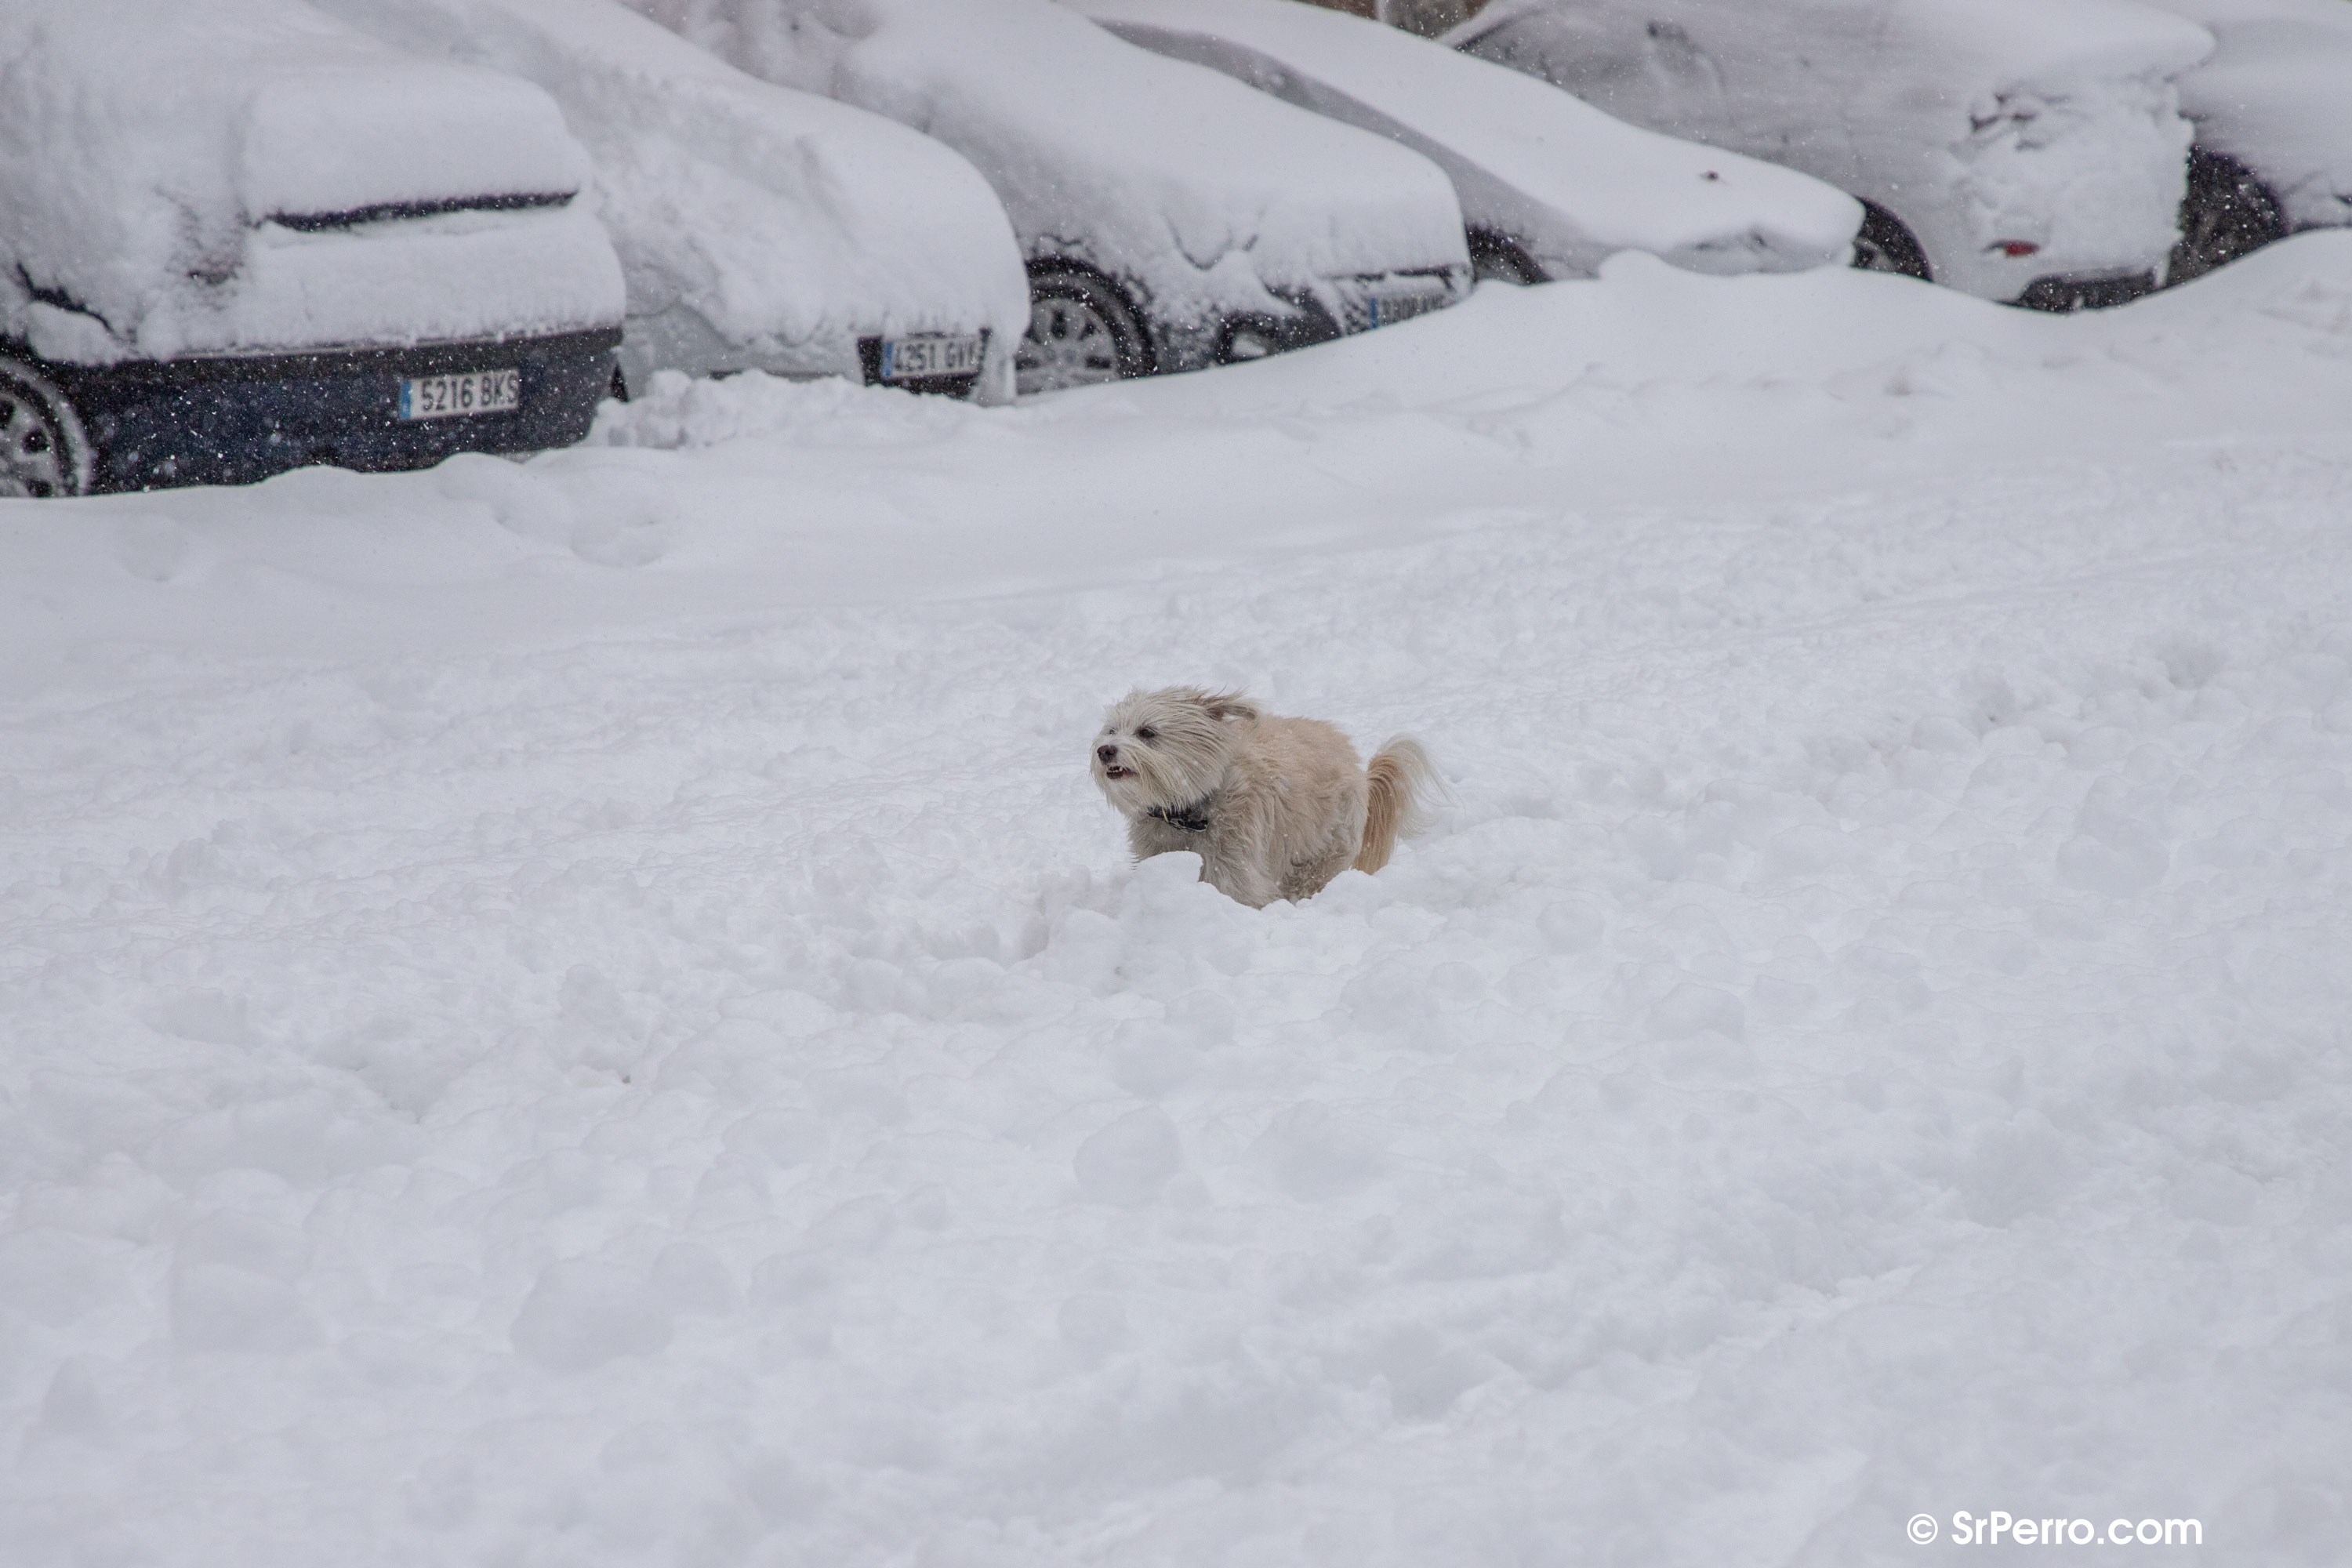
x=679, y=339
x=2067, y=293
x=876, y=369
x=232, y=419
x=1366, y=303
x=1340, y=307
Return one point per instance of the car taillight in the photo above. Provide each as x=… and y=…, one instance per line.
x=2016, y=247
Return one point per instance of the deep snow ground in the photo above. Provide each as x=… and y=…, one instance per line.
x=585, y=1012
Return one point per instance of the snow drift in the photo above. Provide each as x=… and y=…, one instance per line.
x=586, y=1010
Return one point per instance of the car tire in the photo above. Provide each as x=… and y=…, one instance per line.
x=1497, y=257
x=2228, y=213
x=1082, y=332
x=43, y=451
x=1885, y=244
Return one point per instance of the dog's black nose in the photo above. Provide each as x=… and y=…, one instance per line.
x=1107, y=753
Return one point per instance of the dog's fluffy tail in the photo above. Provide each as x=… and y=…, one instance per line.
x=1398, y=773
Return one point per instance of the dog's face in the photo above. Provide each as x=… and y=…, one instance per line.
x=1166, y=748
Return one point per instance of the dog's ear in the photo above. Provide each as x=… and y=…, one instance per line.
x=1229, y=705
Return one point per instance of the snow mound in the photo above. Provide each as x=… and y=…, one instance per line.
x=614, y=1023
x=675, y=411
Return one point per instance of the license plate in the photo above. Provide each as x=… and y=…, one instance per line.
x=471, y=391
x=1390, y=306
x=933, y=354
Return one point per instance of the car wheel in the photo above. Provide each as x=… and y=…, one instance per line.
x=43, y=448
x=2227, y=213
x=1497, y=257
x=1884, y=244
x=1082, y=332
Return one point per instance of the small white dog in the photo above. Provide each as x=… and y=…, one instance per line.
x=1274, y=808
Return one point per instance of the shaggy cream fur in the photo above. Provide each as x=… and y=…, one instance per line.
x=1274, y=808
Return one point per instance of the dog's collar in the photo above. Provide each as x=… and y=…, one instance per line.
x=1192, y=818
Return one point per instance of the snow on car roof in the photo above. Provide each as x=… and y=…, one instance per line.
x=786, y=222
x=1201, y=190
x=1999, y=42
x=141, y=142
x=1527, y=158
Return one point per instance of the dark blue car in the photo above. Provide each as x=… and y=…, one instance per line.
x=383, y=261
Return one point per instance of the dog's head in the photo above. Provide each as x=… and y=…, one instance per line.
x=1167, y=748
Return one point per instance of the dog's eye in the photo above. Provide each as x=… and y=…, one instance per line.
x=1147, y=734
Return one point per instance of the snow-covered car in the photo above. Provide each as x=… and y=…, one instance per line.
x=1170, y=218
x=2272, y=110
x=2025, y=150
x=1549, y=186
x=758, y=228
x=242, y=238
